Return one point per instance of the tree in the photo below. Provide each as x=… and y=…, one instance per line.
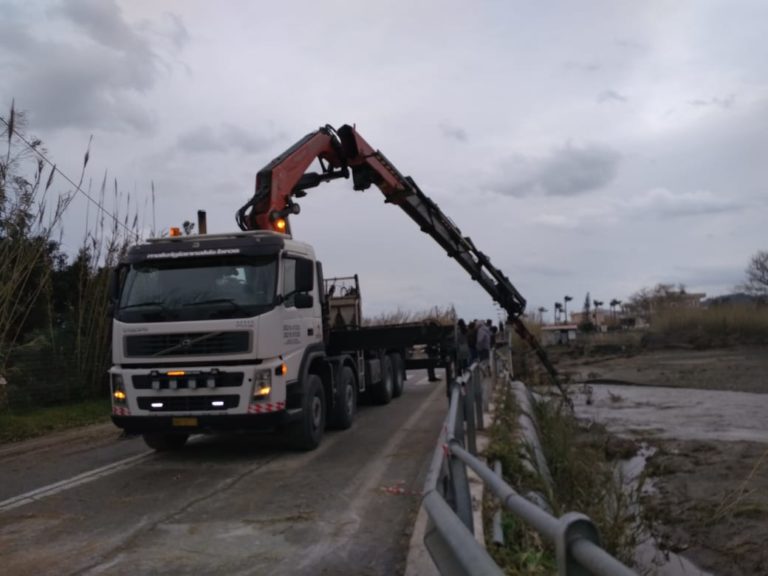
x=558, y=310
x=597, y=304
x=648, y=301
x=613, y=304
x=566, y=299
x=586, y=324
x=27, y=252
x=541, y=314
x=757, y=275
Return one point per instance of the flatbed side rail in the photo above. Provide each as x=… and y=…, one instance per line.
x=394, y=336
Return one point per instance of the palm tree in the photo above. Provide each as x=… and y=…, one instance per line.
x=597, y=304
x=614, y=305
x=541, y=314
x=566, y=299
x=558, y=310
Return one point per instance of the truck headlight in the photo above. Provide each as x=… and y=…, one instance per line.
x=262, y=383
x=118, y=389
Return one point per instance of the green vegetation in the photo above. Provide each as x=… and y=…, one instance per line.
x=585, y=479
x=439, y=315
x=24, y=424
x=54, y=327
x=524, y=551
x=716, y=326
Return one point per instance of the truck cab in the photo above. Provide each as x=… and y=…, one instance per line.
x=211, y=330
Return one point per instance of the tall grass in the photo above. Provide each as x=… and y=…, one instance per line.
x=584, y=479
x=54, y=329
x=27, y=226
x=105, y=241
x=725, y=325
x=440, y=315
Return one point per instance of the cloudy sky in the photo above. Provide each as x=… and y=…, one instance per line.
x=584, y=146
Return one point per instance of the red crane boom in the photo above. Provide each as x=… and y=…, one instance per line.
x=344, y=153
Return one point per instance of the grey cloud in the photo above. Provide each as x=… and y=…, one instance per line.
x=694, y=276
x=178, y=33
x=103, y=22
x=94, y=84
x=582, y=66
x=200, y=139
x=663, y=203
x=547, y=271
x=610, y=96
x=723, y=103
x=653, y=205
x=568, y=171
x=225, y=137
x=454, y=132
x=632, y=45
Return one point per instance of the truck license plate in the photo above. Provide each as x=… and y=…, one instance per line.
x=184, y=421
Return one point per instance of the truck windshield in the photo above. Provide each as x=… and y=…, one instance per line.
x=199, y=289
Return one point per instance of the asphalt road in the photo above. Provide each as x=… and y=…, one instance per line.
x=94, y=503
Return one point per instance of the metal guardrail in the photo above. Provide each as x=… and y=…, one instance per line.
x=449, y=536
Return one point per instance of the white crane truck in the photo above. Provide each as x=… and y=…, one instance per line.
x=240, y=330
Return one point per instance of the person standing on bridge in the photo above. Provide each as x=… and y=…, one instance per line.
x=483, y=342
x=472, y=341
x=462, y=346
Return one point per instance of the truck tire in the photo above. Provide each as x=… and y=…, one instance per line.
x=165, y=441
x=397, y=375
x=308, y=432
x=382, y=392
x=345, y=404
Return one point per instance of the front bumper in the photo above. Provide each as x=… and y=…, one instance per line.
x=203, y=392
x=206, y=423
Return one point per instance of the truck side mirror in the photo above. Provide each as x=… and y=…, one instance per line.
x=305, y=280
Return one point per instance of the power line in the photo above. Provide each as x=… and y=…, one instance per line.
x=67, y=178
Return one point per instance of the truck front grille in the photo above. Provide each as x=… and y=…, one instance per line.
x=188, y=403
x=190, y=380
x=187, y=344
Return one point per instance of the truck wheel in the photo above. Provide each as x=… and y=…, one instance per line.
x=165, y=441
x=382, y=392
x=308, y=432
x=346, y=400
x=397, y=375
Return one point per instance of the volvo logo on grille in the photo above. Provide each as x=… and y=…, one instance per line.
x=186, y=343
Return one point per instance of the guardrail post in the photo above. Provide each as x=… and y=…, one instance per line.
x=459, y=496
x=469, y=413
x=452, y=548
x=573, y=526
x=498, y=531
x=462, y=499
x=479, y=392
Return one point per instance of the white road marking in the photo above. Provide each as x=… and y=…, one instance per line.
x=85, y=477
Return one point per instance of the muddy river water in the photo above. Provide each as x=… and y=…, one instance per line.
x=704, y=433
x=675, y=413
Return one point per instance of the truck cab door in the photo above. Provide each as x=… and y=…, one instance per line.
x=301, y=317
